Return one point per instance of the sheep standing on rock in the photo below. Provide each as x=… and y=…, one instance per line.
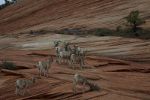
x=81, y=61
x=73, y=60
x=58, y=50
x=78, y=79
x=44, y=66
x=63, y=51
x=78, y=56
x=71, y=55
x=64, y=56
x=23, y=84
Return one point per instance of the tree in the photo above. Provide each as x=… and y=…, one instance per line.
x=14, y=1
x=133, y=20
x=6, y=2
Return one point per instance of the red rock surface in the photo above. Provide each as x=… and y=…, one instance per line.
x=56, y=14
x=119, y=80
x=120, y=66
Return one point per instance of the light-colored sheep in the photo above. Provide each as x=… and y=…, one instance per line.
x=80, y=80
x=64, y=56
x=44, y=66
x=80, y=51
x=22, y=85
x=81, y=61
x=73, y=60
x=77, y=59
x=58, y=50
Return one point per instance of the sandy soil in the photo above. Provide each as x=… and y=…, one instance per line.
x=118, y=79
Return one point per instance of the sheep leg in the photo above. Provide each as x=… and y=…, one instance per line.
x=40, y=72
x=22, y=92
x=83, y=61
x=74, y=86
x=63, y=59
x=72, y=64
x=59, y=60
x=68, y=60
x=80, y=66
x=17, y=91
x=25, y=91
x=47, y=72
x=83, y=90
x=44, y=73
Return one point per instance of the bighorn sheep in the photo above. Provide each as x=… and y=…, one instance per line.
x=78, y=50
x=58, y=49
x=56, y=43
x=80, y=61
x=66, y=46
x=80, y=80
x=73, y=60
x=77, y=59
x=64, y=55
x=23, y=84
x=44, y=66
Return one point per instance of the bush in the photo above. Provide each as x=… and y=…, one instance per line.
x=8, y=65
x=73, y=31
x=38, y=32
x=7, y=3
x=101, y=32
x=119, y=31
x=134, y=20
x=143, y=33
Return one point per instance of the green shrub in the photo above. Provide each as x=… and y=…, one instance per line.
x=38, y=32
x=101, y=32
x=7, y=3
x=72, y=31
x=143, y=33
x=134, y=21
x=8, y=65
x=119, y=31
